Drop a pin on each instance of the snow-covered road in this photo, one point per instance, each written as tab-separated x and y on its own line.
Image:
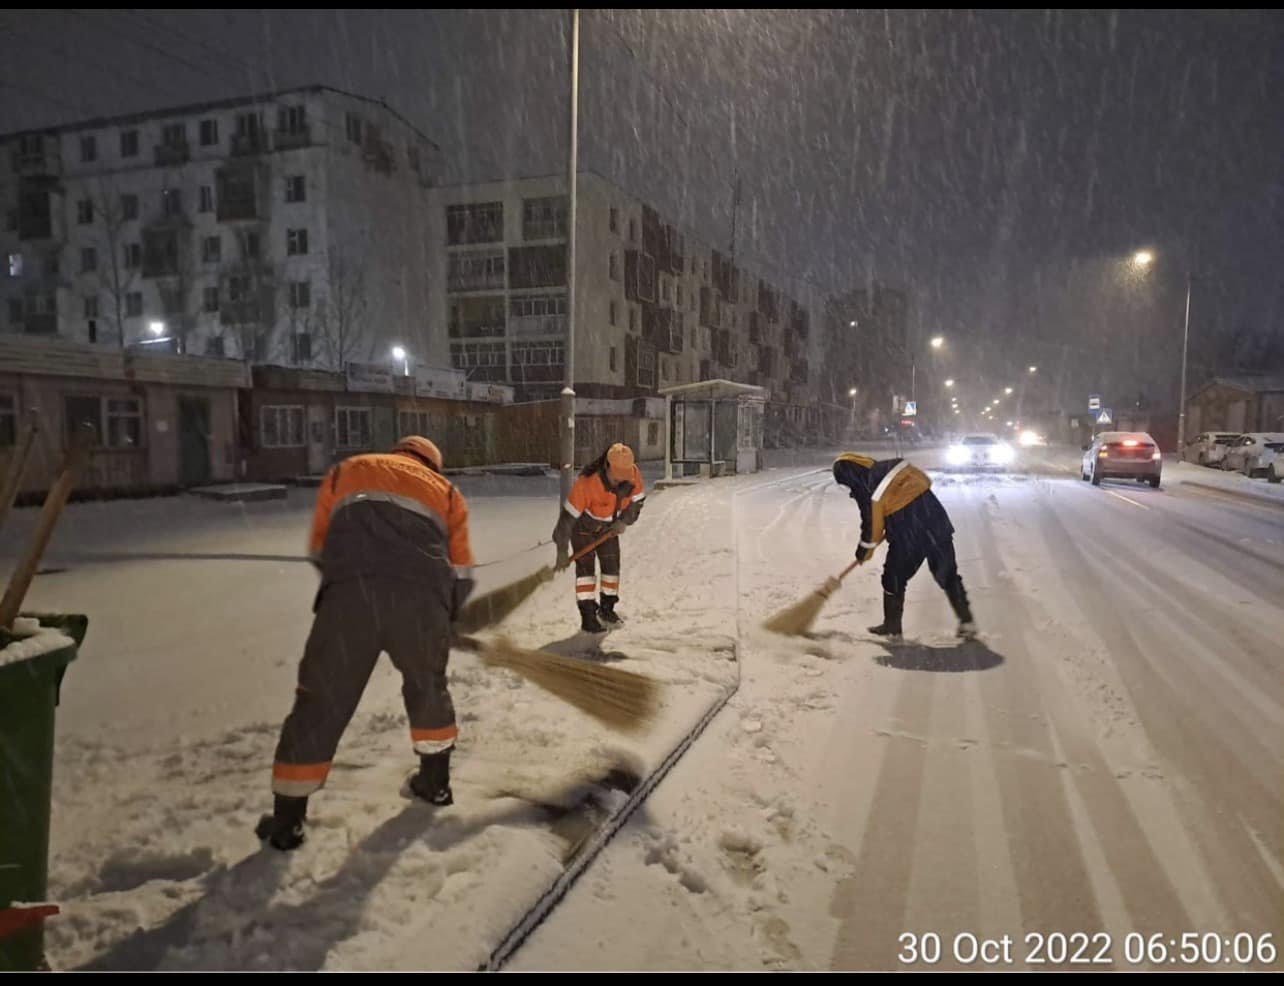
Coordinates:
1108	759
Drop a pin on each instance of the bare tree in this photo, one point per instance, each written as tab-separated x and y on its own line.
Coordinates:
340	314
119	276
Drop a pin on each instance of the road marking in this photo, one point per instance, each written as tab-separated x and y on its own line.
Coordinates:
1126	499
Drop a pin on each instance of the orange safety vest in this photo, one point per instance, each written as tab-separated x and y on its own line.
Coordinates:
590	496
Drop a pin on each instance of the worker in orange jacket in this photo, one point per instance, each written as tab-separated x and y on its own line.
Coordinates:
606	499
390	536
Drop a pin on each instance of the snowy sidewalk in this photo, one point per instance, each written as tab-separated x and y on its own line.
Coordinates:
1233	483
168	725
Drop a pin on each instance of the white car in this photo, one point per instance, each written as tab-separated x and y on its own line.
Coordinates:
984	450
1243	454
1208	448
1271	461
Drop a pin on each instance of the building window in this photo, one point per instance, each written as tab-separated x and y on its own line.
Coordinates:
354	128
251	246
16	313
209	299
478	222
91	329
296	242
209	133
352	427
8	420
215	346
85	212
174	135
646	367
664	370
281	426
11	221
79	411
88	149
91	307
611	309
614	220
134	304
88	260
15	265
207	198
129	207
480	356
544	218
133	256
129	143
302	347
171	202
124	422
633	231
238	288
292	120
212	250
295	189
613	266
300	294
633	319
653	433
415	423
677	293
612	359
475	270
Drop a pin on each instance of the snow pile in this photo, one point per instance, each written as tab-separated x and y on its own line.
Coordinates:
31	640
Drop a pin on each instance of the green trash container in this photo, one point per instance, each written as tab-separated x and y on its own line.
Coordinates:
28	694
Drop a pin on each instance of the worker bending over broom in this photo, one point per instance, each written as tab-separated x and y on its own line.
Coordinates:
390	535
897	504
606	498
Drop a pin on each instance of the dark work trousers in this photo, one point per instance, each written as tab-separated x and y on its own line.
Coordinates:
607	553
906	554
355	621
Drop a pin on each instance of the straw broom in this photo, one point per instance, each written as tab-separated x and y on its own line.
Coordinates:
619	699
485	611
796	620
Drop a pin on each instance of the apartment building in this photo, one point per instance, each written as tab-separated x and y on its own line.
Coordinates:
289	228
655	304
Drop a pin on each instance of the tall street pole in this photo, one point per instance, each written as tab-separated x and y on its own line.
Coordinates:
1185	342
568	391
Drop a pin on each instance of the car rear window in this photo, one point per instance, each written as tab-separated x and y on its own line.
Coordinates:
978	440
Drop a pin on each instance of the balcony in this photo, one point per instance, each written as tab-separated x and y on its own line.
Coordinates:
639	276
485	280
284	140
537	325
167	155
34	164
248	144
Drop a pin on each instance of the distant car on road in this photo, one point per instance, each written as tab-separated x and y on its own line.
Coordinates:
1122	455
1207	449
1243	454
981	450
1272	461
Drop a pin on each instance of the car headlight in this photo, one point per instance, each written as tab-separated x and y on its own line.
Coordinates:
1002	453
1029	438
956	455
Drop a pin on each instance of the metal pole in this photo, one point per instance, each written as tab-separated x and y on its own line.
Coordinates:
572	162
1185	341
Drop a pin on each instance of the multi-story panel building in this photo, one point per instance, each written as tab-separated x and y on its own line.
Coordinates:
655	306
288	228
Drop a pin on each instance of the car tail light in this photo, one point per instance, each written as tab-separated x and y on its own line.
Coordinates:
1131	443
1158	455
1103	454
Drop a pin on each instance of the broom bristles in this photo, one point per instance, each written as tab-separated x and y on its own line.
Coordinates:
795	620
623	700
494	606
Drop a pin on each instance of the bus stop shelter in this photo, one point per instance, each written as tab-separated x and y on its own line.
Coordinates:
713	428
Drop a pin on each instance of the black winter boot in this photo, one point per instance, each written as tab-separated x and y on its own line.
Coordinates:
606	612
432	783
283	829
893	608
588	617
958	599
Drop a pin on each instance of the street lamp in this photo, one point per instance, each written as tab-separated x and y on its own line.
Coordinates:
949	382
399	353
1007	390
1143	259
938	342
156	328
1034	369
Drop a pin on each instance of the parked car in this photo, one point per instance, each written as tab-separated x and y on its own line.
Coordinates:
980	451
1122	455
1207	449
1243	454
1272	461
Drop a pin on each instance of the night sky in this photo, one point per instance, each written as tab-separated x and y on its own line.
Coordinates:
1001	166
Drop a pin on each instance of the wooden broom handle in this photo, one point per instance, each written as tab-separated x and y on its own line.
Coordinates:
592	547
848	570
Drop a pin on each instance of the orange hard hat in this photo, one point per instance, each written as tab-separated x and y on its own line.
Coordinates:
420	448
619	462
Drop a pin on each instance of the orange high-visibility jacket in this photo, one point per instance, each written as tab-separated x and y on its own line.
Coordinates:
388	514
590	498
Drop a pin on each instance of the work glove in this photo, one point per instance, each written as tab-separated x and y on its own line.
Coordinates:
864	554
619	527
563	558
